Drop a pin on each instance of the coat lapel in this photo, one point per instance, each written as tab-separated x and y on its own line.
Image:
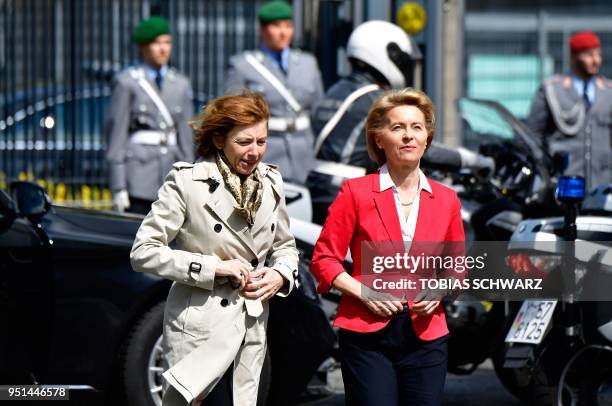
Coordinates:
293	70
387	212
221	203
271	196
274	68
265	211
426	215
168	86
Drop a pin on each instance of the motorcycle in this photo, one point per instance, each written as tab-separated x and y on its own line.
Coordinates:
560	349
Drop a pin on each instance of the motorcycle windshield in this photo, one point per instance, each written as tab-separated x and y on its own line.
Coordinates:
486	122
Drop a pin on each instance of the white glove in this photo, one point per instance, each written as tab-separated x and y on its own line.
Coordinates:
121	201
471	159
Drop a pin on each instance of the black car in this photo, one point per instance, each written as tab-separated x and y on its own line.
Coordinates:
74	313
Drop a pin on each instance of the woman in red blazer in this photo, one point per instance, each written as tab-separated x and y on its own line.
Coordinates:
393	353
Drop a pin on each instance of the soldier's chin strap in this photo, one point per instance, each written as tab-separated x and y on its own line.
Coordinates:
562	117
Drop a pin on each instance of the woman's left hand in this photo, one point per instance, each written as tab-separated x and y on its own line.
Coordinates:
425	307
271	281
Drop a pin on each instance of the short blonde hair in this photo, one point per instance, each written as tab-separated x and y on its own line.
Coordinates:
377	117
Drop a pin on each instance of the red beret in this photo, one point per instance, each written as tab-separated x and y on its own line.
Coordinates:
583	40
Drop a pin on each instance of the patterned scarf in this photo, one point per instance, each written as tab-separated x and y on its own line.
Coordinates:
248	193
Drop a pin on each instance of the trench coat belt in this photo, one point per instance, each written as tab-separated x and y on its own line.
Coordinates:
150	137
254	307
289	124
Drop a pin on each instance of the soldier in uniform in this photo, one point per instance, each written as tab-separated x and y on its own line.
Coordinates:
147	125
290	81
382	56
572	113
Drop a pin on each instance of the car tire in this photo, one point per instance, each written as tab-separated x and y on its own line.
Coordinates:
142	367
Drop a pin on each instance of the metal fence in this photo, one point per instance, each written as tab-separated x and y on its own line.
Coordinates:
57	59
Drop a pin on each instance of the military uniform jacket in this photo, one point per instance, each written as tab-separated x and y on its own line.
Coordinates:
589	141
140	168
206	327
291	150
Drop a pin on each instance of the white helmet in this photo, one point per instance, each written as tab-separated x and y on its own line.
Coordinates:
386	48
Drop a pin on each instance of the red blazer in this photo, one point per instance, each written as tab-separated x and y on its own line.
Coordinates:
361	212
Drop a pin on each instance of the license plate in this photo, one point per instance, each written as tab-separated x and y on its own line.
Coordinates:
532	322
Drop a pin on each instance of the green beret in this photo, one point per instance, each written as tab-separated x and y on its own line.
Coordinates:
274	11
150	29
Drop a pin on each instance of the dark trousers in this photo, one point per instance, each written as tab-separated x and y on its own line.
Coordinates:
222	393
393	366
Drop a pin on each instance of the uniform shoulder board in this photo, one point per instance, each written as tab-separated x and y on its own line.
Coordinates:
182	165
256	53
135	72
554	79
172	73
607	82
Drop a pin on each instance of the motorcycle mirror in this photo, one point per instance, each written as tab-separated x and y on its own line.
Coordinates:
31	200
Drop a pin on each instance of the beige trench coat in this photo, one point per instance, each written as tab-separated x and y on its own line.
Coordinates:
206	325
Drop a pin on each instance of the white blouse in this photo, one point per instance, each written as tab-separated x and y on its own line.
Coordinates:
408	225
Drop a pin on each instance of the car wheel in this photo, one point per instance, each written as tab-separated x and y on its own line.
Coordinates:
142	368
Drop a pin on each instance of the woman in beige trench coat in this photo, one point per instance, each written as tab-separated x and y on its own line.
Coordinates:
226	213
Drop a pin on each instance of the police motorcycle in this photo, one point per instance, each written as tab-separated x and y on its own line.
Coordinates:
492	208
559	346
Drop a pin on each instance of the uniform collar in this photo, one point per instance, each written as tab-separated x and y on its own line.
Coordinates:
152	72
386	182
579	86
284	56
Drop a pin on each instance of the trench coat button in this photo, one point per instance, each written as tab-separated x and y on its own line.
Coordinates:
254	262
218	228
224	302
272	227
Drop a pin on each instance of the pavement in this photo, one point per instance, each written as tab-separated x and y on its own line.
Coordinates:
477	389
